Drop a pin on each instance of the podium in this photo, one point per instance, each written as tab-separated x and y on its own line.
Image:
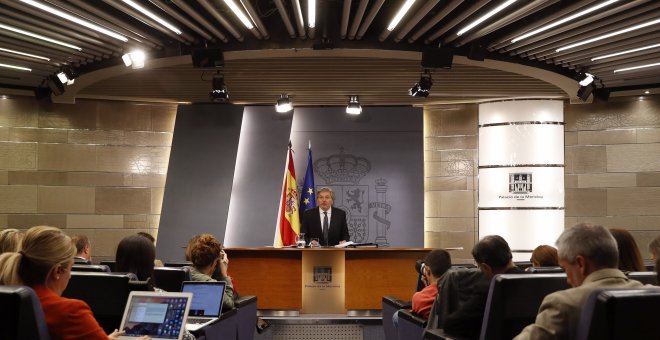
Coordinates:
324	280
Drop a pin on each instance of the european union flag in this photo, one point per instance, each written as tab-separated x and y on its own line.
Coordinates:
308	192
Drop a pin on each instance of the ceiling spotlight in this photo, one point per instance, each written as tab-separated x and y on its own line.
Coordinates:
219	92
423	88
585	78
62	77
353	107
134	59
283	104
585	91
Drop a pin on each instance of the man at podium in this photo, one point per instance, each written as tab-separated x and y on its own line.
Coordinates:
325	223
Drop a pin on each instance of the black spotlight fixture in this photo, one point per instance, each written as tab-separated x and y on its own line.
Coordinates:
219	92
587	85
423	87
55	84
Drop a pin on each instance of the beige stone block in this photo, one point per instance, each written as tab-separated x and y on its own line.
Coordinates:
81	115
18	112
633	157
4	133
451	120
21	156
586	202
31	220
449	204
148	180
154	222
570	181
37	135
589	159
612	115
99	179
163	117
648	179
95	221
622	222
461	243
66	199
570	138
619	136
105	241
648	223
68	157
453	224
97	137
3	221
648	135
123	200
148	138
608	180
568	160
137	221
157	200
453	168
4	177
570	221
38	177
18	199
450	143
633	201
124	116
142	160
445	183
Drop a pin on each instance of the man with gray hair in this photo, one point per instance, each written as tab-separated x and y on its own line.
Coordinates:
589	255
325	223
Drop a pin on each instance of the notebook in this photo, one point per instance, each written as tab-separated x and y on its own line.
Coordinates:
206	304
160	315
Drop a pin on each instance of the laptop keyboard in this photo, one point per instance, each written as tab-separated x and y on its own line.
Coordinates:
197	320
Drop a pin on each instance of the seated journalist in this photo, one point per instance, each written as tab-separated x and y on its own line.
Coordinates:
325	222
588	253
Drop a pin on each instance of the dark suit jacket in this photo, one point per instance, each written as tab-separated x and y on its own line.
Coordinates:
337	231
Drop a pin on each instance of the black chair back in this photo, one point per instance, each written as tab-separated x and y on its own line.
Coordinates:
21	316
178	264
170	278
647	278
105	293
649	265
620	314
110	263
99	268
523	264
514	300
544	270
390	305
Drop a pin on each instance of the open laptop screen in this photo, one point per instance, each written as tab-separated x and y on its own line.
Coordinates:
158	315
207	297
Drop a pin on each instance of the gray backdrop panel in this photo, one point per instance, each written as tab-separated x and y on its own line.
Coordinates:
199	176
258	180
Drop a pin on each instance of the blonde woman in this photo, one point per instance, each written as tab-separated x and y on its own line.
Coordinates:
10	240
44	263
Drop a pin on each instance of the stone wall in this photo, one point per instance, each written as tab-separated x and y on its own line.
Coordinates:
96	168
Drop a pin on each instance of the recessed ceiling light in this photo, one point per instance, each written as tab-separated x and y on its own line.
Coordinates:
626	52
485	17
647	92
636	67
399	15
609	35
14	67
24	54
40	37
153	16
241	16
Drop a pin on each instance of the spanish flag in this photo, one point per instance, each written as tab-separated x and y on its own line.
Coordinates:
288	224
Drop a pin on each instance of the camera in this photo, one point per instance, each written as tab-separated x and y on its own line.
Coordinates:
419	267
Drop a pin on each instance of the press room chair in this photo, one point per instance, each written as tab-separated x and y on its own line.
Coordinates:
390	305
178	263
21	316
170	278
615	314
544	270
647	278
99	268
514	300
411	325
224	328
246	317
110	263
105	293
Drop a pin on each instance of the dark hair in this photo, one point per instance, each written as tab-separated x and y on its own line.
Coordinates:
630	259
545	256
439	261
136	254
81	241
492	250
203	250
147	236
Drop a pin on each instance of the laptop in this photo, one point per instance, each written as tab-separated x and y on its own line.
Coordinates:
160	315
206	303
